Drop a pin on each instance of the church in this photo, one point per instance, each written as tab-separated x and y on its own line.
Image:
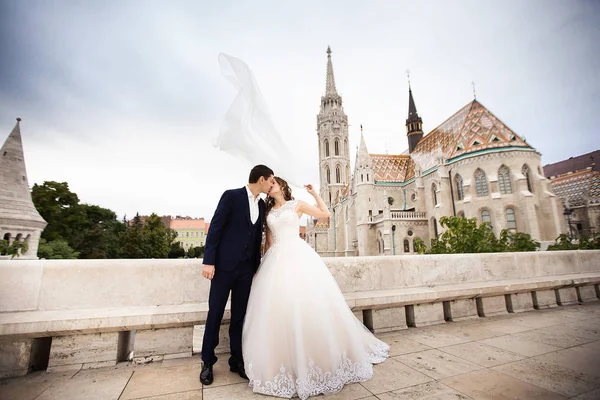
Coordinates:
472	166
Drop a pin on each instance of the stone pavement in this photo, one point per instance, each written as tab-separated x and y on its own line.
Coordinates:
546	354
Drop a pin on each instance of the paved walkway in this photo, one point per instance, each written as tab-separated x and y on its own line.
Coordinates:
549	354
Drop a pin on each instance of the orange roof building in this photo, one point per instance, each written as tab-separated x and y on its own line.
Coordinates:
472	165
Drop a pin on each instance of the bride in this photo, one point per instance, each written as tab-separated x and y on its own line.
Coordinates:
299	337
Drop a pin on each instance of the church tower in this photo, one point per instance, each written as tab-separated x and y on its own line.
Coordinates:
332	131
414	123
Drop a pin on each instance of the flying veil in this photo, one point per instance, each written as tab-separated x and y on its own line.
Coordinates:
248	131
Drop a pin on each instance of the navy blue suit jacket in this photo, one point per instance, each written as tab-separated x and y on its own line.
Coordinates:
231	235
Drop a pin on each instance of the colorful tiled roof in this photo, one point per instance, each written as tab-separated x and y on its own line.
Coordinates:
392	168
473	128
578	187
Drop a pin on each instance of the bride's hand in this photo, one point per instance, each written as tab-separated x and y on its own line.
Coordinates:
310	189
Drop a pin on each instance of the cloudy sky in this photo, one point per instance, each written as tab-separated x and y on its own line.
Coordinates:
123	99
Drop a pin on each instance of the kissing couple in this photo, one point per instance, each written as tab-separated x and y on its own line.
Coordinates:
291	331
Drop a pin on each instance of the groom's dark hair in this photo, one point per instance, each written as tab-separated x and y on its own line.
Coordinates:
258	171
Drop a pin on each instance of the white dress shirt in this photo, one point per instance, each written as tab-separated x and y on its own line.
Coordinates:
253	204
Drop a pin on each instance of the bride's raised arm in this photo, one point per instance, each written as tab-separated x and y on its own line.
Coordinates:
318	212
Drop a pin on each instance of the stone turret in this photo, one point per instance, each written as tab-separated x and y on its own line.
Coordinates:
19	219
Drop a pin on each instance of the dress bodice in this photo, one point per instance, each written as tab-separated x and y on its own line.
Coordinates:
284	222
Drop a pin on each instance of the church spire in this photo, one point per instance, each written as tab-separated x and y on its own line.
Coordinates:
18	214
330	84
363	158
412	109
414	123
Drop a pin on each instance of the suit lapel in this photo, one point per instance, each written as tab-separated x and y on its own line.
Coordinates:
246	203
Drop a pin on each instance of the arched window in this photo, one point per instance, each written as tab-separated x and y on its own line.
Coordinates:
527	173
504	180
486	217
326	148
460	190
406	246
511	220
481	183
434	194
336	146
338	175
328	173
435	228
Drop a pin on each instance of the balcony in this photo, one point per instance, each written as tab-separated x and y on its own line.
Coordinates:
397	215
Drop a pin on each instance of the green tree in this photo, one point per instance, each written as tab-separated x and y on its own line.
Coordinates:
199	251
101	232
466	236
14	250
56	250
176	250
157	238
58	206
564	242
132	240
191	253
93	231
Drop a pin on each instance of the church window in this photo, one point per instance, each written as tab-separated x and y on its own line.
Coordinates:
326	148
328	174
511	220
481	183
336	146
527	174
338	177
367	177
435	227
460	190
486	217
504	180
434	194
406	246
362	178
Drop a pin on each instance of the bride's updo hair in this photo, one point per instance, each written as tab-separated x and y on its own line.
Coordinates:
285	190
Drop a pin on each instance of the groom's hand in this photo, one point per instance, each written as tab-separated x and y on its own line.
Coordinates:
208	271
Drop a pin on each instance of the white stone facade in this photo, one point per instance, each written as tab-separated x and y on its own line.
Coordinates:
392	199
19	220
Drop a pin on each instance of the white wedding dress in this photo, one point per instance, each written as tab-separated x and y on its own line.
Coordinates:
300	337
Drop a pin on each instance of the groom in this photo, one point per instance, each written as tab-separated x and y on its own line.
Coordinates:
231	258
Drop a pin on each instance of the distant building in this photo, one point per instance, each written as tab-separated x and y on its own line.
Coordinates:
191	232
576	181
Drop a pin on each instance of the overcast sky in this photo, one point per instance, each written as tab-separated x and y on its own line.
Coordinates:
122	99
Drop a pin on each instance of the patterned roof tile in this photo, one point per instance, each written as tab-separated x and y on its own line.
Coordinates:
472	128
578	187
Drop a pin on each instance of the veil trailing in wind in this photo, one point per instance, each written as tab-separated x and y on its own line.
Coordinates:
248	131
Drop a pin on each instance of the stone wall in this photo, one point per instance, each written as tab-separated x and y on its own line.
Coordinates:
90	313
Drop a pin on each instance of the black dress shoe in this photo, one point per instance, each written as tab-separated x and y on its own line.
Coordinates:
206	376
239	368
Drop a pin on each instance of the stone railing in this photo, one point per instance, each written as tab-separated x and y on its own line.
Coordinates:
407	215
72	314
399	216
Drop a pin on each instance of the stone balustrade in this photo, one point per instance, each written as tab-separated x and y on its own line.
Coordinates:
65	314
408	215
